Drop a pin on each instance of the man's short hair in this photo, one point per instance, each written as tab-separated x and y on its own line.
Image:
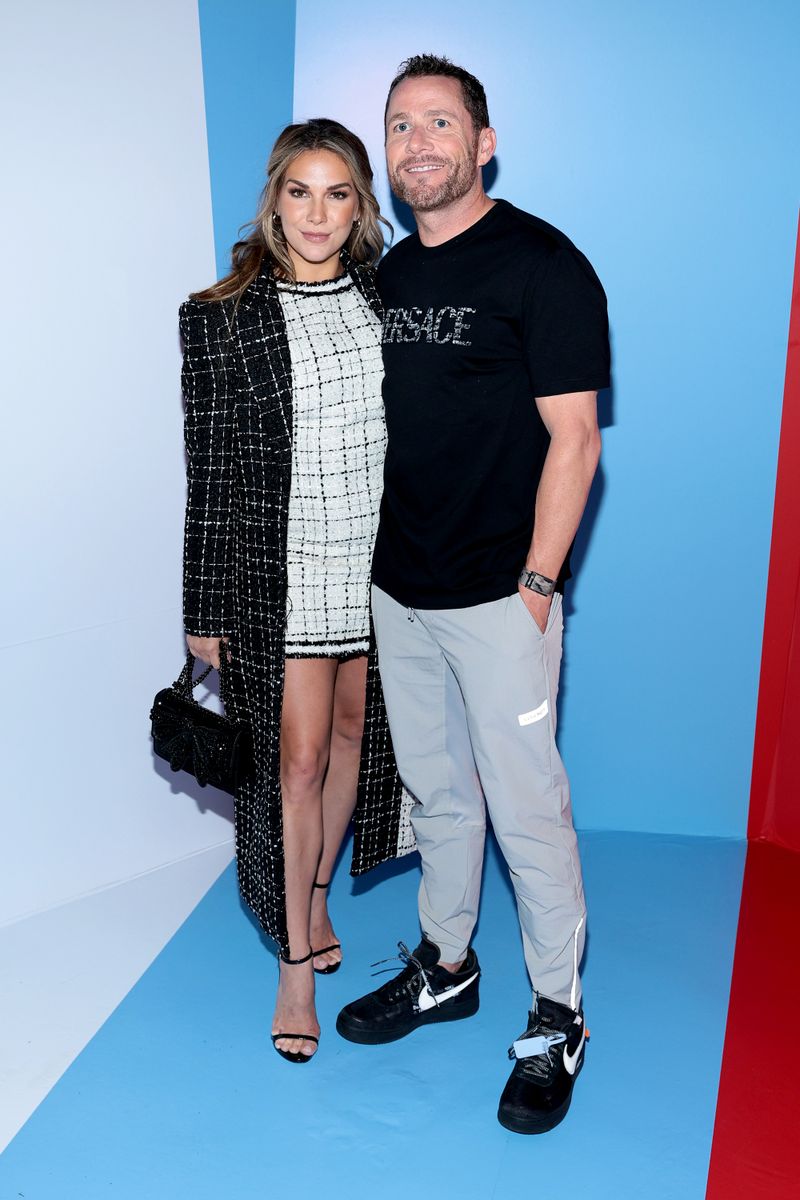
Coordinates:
422	65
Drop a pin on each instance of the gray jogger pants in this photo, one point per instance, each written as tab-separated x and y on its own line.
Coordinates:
471	700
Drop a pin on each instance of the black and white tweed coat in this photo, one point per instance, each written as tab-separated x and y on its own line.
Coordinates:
238	394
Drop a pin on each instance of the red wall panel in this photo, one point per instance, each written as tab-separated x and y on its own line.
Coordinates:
775	790
754	1151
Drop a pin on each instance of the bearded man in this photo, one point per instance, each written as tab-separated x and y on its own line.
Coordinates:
495	344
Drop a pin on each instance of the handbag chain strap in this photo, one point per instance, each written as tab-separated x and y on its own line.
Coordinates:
186	685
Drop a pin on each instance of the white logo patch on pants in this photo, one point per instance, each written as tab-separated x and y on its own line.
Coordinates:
536	714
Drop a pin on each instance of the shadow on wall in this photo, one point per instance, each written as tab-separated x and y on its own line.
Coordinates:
580	547
579	550
605	419
181	783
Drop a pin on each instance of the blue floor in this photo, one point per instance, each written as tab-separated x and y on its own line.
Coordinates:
180	1094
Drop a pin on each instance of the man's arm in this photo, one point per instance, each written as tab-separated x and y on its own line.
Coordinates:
571	421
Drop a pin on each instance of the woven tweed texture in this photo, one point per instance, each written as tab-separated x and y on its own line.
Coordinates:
237	387
338	448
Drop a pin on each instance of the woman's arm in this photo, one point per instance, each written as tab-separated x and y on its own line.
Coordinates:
208	554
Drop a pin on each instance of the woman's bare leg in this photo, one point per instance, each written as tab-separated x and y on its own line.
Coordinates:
308	704
339	792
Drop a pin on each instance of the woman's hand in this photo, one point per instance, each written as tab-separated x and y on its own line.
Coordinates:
206	649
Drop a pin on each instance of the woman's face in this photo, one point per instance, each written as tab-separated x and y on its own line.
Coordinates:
317	205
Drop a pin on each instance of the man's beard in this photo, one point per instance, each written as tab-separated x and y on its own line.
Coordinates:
426	197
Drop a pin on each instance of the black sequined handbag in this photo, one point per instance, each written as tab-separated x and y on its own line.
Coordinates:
213	748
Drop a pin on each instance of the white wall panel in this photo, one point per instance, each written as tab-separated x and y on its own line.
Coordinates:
106	224
86	802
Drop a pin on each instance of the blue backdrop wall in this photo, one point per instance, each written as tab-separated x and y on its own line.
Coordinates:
662	139
248	69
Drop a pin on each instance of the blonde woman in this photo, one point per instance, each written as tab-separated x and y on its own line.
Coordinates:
285	441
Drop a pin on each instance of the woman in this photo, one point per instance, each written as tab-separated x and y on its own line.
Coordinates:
285	442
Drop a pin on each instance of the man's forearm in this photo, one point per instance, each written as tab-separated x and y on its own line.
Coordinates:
563	490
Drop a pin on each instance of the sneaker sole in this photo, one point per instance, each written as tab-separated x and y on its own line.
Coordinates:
542	1123
538	1122
434	1016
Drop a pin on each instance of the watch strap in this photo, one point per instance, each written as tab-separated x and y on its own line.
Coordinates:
535	582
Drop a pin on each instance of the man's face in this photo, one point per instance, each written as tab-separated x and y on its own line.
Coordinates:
431	147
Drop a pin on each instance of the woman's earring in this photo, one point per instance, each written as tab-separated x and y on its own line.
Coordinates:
357	223
275	219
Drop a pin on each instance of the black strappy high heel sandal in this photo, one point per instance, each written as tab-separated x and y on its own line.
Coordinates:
332	968
294	1056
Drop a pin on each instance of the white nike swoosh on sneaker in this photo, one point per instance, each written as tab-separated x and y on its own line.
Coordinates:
571	1060
427	999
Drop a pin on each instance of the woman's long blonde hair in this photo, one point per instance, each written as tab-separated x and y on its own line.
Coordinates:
265	241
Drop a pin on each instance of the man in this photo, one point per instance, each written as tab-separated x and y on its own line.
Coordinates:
495	345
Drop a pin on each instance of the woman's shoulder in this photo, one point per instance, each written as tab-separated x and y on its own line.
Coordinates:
202	319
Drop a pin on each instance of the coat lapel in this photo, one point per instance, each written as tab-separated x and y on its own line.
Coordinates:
364	279
261	334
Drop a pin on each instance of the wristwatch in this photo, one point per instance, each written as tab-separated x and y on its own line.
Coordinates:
536	582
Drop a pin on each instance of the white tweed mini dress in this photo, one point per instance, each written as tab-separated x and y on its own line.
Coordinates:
338	448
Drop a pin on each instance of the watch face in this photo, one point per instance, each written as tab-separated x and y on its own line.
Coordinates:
535	582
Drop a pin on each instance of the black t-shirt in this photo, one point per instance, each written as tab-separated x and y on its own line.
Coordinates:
474	329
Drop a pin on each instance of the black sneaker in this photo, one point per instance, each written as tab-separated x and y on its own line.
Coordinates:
549	1056
422	994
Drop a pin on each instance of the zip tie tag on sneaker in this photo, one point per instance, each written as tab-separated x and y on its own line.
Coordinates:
530	1047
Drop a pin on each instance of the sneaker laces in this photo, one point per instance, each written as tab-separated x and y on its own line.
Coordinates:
538	1060
413	970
